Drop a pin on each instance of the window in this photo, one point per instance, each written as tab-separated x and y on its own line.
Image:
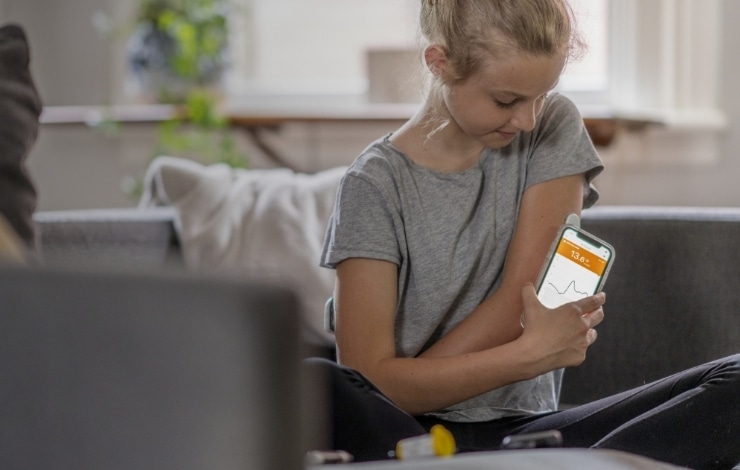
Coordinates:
316	46
321	46
587	80
665	60
655	62
664	68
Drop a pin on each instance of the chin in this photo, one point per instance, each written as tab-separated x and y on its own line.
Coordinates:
495	141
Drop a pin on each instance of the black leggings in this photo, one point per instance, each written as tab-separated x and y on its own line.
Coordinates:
689	419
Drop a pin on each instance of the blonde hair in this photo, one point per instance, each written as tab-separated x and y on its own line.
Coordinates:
474	31
466	29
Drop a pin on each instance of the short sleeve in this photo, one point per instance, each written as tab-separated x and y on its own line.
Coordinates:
365	224
560	146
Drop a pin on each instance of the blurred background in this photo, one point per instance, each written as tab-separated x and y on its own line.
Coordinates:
309	83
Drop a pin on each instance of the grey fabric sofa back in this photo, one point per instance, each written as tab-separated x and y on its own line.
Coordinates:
673	296
113	370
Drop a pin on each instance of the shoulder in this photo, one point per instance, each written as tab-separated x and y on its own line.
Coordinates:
379	164
559	107
559	123
560	146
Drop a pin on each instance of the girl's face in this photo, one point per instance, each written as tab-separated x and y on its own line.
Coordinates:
503	97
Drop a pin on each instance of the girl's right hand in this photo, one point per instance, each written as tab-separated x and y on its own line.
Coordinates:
559	337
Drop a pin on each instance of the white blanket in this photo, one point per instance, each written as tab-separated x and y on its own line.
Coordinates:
263	223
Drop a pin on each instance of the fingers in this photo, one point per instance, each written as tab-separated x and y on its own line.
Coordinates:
591	336
594	318
585	306
589	309
589	304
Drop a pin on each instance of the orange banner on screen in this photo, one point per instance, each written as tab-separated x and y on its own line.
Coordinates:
581	256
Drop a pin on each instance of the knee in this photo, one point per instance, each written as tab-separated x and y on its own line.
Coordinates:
732	363
338	377
735	361
727	370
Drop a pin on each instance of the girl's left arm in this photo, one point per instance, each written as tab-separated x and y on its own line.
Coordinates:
496	321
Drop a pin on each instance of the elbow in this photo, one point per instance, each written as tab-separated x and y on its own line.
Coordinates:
395	380
393	389
406	394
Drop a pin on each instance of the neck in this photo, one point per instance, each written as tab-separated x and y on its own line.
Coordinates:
432	140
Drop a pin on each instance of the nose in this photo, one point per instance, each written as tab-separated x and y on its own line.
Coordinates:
524	116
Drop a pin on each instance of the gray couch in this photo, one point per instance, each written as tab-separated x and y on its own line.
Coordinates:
127	370
672	296
125	238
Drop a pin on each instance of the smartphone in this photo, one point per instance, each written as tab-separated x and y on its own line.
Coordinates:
576	266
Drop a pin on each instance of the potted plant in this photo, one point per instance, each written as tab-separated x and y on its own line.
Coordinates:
178	45
177	55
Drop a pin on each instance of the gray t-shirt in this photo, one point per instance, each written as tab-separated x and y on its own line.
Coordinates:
449	234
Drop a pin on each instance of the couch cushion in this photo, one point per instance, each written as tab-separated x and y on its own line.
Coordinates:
20	108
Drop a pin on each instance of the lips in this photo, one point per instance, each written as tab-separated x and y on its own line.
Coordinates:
506	135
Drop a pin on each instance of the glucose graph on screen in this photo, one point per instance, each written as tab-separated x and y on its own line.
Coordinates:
574	271
566	281
570	290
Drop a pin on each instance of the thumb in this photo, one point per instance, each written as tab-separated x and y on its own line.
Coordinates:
529	297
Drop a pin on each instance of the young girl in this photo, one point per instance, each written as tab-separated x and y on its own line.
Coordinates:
439	231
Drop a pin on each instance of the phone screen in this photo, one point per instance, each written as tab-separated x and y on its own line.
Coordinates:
576	268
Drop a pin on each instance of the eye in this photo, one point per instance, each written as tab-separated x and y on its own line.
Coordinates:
506	105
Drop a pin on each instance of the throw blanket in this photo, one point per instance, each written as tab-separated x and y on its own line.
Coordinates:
268	224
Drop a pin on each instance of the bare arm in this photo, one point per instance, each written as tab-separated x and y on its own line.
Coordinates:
497	320
365	301
366	297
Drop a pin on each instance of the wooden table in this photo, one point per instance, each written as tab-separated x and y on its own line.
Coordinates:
255	120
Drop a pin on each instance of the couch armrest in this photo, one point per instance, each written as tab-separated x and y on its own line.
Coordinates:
125	237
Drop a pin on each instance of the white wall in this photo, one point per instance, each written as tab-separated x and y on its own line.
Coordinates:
76	167
714	183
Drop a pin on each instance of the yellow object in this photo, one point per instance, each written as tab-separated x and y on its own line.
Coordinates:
438	443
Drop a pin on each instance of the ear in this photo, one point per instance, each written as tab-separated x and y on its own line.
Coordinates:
436	60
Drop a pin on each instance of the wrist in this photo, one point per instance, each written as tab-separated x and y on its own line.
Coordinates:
533	357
